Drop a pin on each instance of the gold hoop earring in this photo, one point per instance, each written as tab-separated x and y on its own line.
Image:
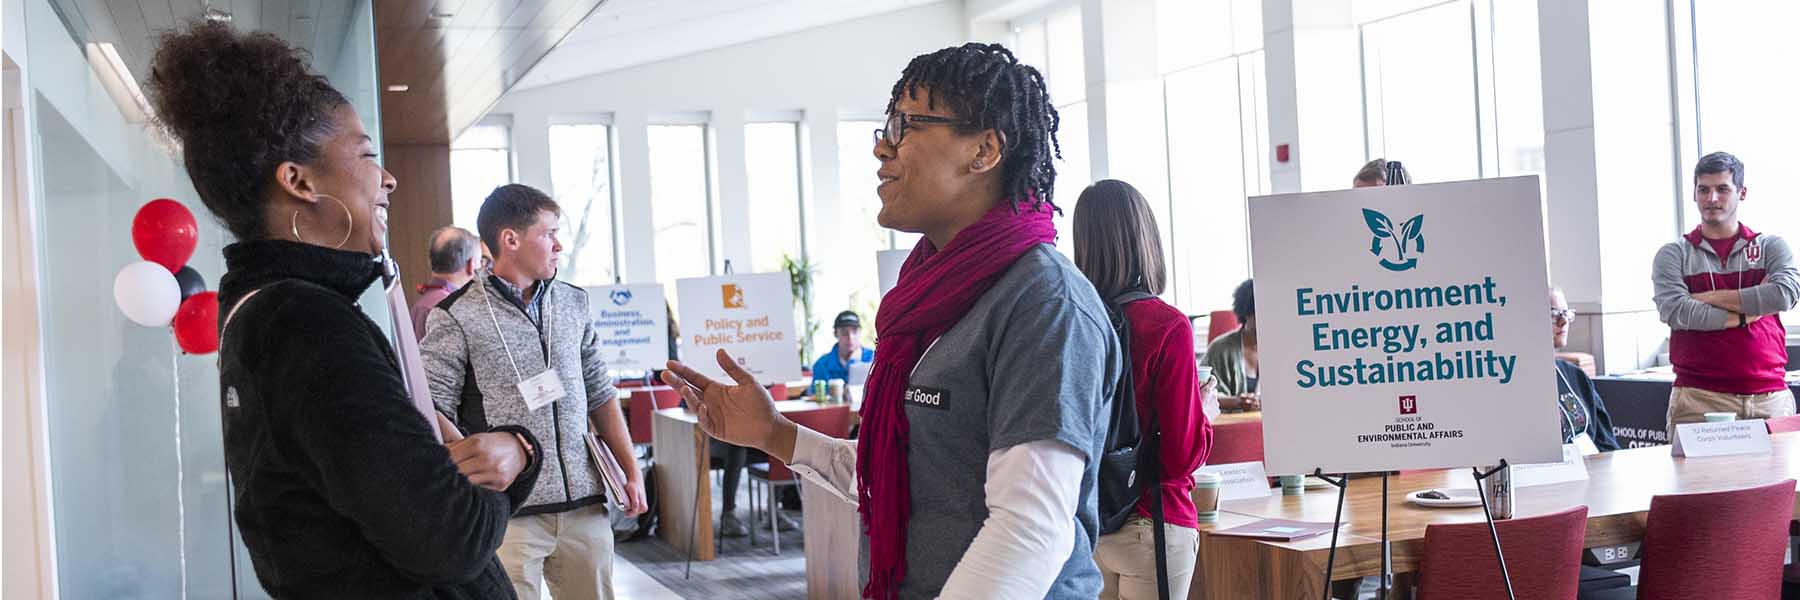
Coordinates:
349	219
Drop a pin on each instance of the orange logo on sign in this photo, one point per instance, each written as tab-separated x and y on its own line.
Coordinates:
734	295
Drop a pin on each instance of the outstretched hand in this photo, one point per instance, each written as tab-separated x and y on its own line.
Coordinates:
740	412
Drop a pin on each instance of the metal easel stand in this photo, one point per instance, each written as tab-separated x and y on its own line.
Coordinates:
1480	478
1342	483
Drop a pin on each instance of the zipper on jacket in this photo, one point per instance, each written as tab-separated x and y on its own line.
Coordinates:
555	407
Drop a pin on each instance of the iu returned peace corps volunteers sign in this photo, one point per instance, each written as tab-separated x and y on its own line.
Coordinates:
1404	327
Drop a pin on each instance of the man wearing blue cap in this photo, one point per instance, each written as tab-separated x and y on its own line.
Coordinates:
848	350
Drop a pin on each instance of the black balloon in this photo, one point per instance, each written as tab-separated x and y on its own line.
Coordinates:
190	281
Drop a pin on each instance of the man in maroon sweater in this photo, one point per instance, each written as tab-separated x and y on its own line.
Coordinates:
1721	289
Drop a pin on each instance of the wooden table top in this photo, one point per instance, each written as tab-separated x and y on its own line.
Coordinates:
1228	418
1619	485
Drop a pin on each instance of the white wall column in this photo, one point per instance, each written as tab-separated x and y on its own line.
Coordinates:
1314	73
731	197
531	150
1613	167
636	223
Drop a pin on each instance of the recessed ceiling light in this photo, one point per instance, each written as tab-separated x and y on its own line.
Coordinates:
398	87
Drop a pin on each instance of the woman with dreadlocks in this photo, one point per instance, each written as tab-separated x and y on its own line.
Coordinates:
984	412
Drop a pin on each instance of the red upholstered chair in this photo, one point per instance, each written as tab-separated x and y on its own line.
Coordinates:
1784	424
1543	555
643	403
831	420
1236	443
1220	322
1716	545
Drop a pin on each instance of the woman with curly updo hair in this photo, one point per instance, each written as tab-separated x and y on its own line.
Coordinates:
342	488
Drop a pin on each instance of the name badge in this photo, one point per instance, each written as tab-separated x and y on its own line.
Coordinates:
541	389
918	395
1721	439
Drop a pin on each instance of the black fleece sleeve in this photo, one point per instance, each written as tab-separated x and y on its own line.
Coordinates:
344	406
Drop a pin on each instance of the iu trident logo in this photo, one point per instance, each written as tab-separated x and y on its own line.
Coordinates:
1409	405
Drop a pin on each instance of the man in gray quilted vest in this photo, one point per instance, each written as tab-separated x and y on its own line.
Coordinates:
517	347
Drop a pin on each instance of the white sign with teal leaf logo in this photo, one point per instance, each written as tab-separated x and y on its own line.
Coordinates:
1378	356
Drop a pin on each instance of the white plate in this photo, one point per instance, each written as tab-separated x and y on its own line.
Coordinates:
1314	483
1459	498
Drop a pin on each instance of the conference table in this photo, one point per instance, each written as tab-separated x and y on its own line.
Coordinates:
684	481
1617	494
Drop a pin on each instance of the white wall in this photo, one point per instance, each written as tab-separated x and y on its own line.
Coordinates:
846	69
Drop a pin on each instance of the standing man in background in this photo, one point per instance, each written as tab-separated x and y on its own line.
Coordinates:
517	347
1721	289
456	257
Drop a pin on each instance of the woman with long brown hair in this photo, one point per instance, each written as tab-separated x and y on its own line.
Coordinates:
1117	246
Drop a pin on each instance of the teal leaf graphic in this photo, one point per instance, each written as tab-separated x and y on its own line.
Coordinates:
1413	230
1378	224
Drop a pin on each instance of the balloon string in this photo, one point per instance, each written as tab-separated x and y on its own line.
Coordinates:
180	476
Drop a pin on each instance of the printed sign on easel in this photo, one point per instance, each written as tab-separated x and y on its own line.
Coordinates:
633	324
1404	327
887	266
750	316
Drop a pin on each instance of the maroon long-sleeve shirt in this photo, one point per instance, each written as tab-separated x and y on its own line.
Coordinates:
1163	368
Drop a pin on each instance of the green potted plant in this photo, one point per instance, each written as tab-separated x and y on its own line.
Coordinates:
800	280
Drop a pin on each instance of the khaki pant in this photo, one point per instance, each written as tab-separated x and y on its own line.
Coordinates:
1127	560
1690	405
573	550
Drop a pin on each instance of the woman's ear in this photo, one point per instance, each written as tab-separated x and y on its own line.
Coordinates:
987	152
295	181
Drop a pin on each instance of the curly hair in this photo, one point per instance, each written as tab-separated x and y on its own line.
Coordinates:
240	104
989	88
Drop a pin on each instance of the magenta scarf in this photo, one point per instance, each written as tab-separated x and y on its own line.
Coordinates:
935	290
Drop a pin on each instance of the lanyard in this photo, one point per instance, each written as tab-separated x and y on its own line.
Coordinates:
1567	418
543	313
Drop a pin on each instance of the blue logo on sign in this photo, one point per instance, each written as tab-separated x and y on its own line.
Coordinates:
621	297
1410	233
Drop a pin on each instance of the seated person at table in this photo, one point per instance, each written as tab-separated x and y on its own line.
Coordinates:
848	350
1233	356
1585	421
1374	174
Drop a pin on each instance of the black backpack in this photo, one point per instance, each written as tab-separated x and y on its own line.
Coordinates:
1132	459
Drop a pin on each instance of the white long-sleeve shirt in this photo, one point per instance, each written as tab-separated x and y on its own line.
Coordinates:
1031	493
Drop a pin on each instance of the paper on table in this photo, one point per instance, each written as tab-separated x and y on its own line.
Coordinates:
1281	530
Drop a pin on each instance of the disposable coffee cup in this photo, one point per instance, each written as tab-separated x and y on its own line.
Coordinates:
1206	496
1720	417
1293	485
1204	373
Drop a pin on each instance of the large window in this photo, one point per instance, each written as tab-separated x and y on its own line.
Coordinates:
480	160
848	278
679	203
581	175
1745	88
1217	120
1054	46
772	157
1453	89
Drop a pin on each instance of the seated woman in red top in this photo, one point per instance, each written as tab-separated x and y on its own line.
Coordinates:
1117	246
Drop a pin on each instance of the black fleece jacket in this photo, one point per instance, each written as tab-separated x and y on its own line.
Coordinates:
340	489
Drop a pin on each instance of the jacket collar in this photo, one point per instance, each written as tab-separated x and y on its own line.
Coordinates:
253	264
1744	232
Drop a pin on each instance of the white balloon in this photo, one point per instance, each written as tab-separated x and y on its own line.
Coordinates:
147	293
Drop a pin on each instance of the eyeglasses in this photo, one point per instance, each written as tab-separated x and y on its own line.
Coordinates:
1562	316
894	131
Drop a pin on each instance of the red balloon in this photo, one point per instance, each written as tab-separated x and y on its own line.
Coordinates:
165	233
197	324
